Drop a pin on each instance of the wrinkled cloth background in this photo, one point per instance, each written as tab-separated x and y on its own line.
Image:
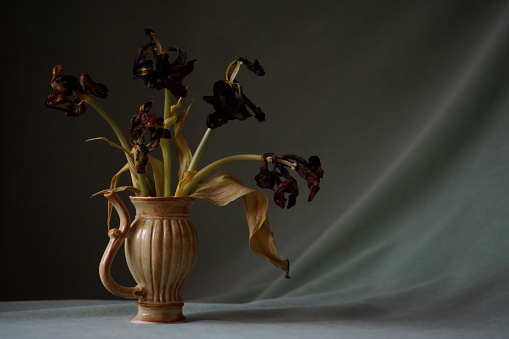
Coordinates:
405	102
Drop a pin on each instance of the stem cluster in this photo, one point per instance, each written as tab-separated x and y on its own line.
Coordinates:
165	144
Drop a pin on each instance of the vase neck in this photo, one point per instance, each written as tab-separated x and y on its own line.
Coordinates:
162	207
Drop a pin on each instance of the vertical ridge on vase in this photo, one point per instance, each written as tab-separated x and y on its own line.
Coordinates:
146	227
133	253
156	259
176	255
176	286
193	245
171	258
186	248
165	263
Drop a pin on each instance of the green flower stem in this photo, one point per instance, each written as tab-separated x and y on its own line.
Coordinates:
166	147
200	175
110	121
166	151
143	185
199	151
123	142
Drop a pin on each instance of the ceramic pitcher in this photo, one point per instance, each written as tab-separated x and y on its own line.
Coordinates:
160	248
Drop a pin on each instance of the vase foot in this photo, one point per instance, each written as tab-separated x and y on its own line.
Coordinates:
153	312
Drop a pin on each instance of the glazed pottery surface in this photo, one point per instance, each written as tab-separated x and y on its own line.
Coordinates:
160	248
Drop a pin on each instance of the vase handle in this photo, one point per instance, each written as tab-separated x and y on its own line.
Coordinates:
117	237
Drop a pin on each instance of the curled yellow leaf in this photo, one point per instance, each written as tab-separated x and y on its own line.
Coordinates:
184	154
114	188
185	179
112	144
221	189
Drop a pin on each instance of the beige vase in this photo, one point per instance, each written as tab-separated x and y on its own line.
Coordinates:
160	247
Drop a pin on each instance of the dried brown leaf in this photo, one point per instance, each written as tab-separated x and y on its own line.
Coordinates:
186	178
114	188
221	189
112	144
184	154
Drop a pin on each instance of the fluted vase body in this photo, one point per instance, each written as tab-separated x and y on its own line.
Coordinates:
160	247
161	251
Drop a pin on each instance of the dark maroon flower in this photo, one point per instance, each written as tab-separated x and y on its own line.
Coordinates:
288	186
254	67
94	88
314	166
229	100
70	94
145	124
266	178
278	177
152	66
311	171
141	120
140	153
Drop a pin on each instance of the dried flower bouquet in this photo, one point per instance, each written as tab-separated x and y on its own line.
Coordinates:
152	177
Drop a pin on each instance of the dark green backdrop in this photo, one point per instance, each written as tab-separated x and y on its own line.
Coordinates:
406	103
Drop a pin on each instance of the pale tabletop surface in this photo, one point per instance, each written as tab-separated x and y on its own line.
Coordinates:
111	319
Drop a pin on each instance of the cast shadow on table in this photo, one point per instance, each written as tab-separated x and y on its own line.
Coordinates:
291	314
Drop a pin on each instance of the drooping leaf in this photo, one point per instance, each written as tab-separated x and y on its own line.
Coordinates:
116	177
113	188
220	189
126	151
172	117
184	154
223	188
186	178
113	144
117	189
261	239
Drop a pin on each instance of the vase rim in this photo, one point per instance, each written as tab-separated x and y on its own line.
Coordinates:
134	198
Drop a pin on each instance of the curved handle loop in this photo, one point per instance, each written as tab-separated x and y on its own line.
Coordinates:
117	237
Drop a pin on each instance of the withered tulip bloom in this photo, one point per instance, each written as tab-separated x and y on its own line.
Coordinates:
266	178
94	88
141	120
142	124
70	94
140	153
254	67
230	102
152	66
288	186
279	179
311	171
